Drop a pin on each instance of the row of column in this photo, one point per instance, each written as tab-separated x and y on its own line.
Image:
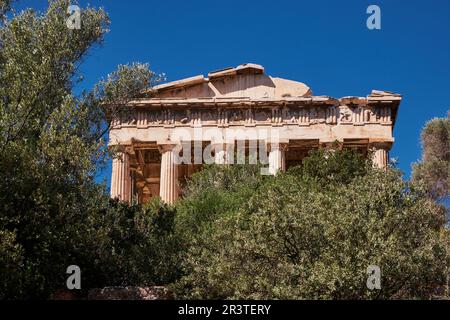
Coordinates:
121	180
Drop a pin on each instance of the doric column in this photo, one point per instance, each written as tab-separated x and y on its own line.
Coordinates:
168	188
380	156
224	153
121	177
277	158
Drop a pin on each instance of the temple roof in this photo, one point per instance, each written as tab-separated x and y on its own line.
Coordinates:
246	80
249	82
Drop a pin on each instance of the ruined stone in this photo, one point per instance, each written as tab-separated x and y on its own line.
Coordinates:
188	122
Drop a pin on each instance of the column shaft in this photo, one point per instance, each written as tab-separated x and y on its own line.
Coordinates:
277	161
224	153
380	158
121	177
169	175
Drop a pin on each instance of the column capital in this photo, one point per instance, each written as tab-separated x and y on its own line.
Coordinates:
384	145
120	155
283	146
221	143
167	146
381	143
121	148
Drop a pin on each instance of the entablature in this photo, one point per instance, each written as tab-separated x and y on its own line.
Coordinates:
248	112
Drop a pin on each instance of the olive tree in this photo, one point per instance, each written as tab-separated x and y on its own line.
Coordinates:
52	141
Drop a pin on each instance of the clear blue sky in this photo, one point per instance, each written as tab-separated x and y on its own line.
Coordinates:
323	43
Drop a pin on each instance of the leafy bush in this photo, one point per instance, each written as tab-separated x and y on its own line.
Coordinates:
134	246
11	265
52	141
214	192
311	234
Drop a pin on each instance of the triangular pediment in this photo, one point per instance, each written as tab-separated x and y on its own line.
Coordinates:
246	80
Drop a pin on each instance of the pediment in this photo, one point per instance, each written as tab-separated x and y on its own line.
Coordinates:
247	80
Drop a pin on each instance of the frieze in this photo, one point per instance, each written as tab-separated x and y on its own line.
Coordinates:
246	116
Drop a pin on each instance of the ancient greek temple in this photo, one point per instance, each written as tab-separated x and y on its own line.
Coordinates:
237	115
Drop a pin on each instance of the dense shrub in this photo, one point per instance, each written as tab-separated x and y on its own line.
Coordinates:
311	234
52	211
133	246
214	192
11	265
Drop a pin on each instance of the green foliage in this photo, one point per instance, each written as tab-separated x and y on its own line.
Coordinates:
308	233
5	6
214	192
11	264
311	234
433	172
156	254
133	246
328	167
52	213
